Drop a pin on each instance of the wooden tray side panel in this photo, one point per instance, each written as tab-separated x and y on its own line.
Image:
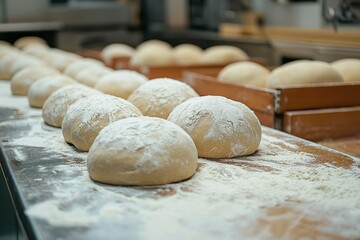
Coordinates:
318	97
316	125
256	99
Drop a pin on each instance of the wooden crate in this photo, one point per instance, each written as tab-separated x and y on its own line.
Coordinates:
296	109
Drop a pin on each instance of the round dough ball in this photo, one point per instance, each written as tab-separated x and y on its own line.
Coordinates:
223	54
87	117
349	69
158	97
155	56
121	83
153	43
142	151
187	54
22	80
55	107
6	62
302	72
116	50
84	63
24	62
44	87
60	59
36	50
90	76
220	127
244	73
30	40
5	44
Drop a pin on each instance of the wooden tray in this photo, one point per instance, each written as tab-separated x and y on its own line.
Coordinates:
275	107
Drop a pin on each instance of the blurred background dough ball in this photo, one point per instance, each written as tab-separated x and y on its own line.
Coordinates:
5	44
90	76
29	40
349	69
153	43
158	97
55	107
22	80
88	116
121	83
244	73
116	50
25	61
60	59
84	63
302	73
186	54
44	87
223	54
7	58
154	56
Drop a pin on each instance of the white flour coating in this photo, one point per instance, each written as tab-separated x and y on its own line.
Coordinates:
56	105
90	115
49	82
123	78
161	92
130	135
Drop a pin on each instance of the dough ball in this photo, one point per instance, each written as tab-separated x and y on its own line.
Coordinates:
55	107
121	83
45	86
36	50
22	80
23	62
348	68
302	72
158	97
244	73
220	127
30	40
87	117
90	76
155	56
7	57
187	54
60	59
5	44
223	54
116	50
142	151
85	63
153	43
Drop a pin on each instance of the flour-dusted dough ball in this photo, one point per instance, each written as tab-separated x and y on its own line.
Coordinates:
223	54
6	62
155	56
84	63
302	73
349	69
44	87
121	83
153	43
142	151
22	80
30	40
55	107
187	54
116	50
60	59
244	73
90	76
220	127
158	97
87	117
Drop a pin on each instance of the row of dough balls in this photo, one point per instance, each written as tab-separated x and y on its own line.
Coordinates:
160	53
129	149
291	74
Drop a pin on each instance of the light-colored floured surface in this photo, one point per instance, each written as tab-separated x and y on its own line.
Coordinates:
289	189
